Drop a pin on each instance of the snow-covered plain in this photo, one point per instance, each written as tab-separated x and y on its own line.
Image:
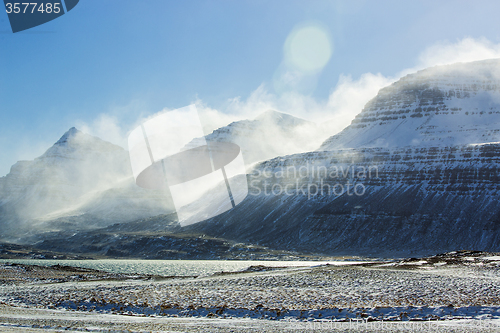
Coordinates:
452	292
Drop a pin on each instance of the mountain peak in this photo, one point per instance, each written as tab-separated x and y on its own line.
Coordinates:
281	119
271	114
71	133
77	142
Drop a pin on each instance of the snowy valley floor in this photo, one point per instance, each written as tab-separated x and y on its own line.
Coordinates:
456	292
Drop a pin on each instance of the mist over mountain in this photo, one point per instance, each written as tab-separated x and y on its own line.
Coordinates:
439	106
83	182
269	135
80	182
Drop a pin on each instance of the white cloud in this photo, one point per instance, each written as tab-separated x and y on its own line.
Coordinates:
350	96
113	126
464	50
106	127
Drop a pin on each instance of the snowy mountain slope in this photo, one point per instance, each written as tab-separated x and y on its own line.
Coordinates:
269	135
414	201
79	175
401	202
439	106
75	165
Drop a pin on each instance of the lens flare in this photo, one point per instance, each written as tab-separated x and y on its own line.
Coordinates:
308	48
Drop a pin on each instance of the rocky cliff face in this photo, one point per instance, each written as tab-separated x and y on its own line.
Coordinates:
440	106
371	201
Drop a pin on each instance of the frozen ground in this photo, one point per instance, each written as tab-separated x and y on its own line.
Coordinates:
455	292
42	320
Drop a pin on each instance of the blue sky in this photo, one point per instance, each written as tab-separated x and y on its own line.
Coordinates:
129	59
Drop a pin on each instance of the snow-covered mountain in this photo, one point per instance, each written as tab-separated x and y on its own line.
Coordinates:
440	106
417	172
80	182
269	135
371	201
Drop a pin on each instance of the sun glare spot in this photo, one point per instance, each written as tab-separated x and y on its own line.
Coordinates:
308	48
